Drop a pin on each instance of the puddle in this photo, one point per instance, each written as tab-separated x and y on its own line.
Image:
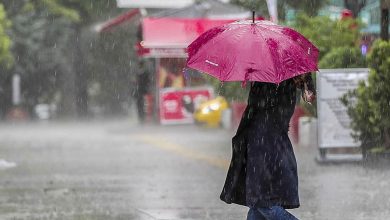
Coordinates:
6	164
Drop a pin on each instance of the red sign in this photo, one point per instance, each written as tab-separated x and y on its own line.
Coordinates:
177	106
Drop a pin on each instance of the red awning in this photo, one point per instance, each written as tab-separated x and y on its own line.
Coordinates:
168	37
118	20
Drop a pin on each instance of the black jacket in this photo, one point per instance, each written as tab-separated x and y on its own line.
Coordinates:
263	169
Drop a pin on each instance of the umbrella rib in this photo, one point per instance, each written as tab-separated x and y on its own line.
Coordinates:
290	40
299	48
216	42
269	51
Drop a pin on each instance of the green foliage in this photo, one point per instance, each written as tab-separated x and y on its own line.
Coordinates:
337	41
55	7
310	7
112	70
88	10
258	6
41	44
356	6
51	40
343	57
79	12
326	33
369	104
232	91
5	41
52	7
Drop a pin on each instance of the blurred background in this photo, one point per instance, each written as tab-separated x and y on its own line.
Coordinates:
100	119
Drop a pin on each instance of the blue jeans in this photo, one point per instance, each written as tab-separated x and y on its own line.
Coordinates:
269	213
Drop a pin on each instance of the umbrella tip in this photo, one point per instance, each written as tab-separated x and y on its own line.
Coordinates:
253	16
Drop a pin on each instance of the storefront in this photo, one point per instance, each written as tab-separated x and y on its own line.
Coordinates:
163	38
178	91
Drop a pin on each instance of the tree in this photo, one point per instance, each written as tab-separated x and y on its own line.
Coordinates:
88	11
40	34
310	7
113	70
51	41
355	6
368	105
5	58
61	58
232	91
337	40
259	6
385	5
326	33
5	41
343	57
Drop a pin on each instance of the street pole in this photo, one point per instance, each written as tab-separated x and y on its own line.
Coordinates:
16	90
273	10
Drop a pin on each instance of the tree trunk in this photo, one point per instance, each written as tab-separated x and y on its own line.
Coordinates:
5	93
387	139
81	77
385	23
67	106
72	80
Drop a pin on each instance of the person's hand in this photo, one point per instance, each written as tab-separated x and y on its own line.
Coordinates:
309	96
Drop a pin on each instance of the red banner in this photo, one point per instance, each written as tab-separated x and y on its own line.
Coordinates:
177	106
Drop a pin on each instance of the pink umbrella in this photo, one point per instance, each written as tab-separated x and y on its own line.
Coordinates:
252	51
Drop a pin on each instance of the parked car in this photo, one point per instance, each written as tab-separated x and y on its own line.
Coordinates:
210	112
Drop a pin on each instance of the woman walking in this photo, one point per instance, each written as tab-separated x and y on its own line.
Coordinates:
263	170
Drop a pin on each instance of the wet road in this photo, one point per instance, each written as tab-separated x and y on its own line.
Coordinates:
118	170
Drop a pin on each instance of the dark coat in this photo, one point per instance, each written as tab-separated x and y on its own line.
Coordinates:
263	169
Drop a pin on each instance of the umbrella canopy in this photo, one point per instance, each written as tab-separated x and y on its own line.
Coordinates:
252	51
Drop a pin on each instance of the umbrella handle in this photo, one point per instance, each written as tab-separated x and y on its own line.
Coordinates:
253	16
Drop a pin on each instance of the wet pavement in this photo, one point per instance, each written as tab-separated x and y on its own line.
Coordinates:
118	170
